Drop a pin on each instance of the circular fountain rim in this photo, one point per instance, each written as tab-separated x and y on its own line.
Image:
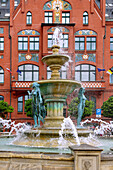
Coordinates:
55	56
59	81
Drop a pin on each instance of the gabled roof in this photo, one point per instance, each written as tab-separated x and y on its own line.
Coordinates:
109	8
5	9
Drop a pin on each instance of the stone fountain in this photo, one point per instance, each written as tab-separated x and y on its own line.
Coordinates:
54	92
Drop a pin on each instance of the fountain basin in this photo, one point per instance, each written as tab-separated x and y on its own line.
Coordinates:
58	88
55	59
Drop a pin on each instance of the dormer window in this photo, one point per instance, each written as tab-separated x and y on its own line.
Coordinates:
85	18
29	18
3	2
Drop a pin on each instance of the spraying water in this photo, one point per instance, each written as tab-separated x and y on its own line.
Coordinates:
14	128
68	124
104	128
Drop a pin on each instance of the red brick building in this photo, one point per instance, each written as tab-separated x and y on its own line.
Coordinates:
26	36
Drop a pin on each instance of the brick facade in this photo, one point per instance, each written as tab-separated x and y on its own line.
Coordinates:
12	57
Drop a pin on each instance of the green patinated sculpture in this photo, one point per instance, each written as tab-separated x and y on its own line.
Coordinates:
38	108
82	100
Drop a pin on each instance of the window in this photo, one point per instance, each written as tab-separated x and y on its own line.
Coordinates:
20	104
34	43
65	17
1	98
50	40
22	43
64	41
63	73
79	43
85	18
111	44
3	2
48	17
1	43
29	18
1	75
85	72
29	72
91	43
48	73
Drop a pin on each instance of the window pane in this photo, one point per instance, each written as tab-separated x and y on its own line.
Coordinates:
49	43
28	76
64	75
81	46
50	20
77	76
67	20
21	78
35	76
20	67
77	67
92	76
20	107
46	20
31	46
20	98
28	67
85	67
1	78
92	67
76	46
36	46
111	78
84	76
35	68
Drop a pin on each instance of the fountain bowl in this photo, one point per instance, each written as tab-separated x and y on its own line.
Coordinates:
58	88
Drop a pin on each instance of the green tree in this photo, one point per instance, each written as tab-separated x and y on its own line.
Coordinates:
73	108
107	108
5	108
28	108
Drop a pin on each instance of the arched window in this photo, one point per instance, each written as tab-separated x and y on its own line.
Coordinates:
85	18
63	73
1	97
29	18
29	72
1	75
85	72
